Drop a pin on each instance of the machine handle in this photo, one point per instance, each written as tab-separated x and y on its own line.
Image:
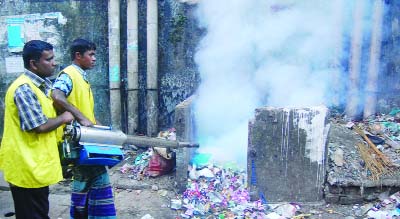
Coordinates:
103	127
188	145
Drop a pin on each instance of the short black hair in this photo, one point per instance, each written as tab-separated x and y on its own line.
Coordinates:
81	46
33	51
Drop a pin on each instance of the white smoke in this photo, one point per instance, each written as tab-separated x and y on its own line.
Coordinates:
256	53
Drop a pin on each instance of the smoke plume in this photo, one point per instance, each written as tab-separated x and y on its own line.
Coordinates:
280	53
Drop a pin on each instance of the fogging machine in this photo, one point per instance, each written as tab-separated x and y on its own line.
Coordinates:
101	145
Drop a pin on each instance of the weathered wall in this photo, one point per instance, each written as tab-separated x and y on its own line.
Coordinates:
389	82
178	37
178	75
86	19
286	154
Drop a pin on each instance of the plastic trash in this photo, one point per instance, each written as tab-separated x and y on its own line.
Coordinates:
286	210
274	215
377	214
176	204
147	216
375	139
201	160
205	172
394	111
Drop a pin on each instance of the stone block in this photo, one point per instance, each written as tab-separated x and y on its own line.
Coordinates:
348	200
335	189
184	126
287	154
352	190
332	198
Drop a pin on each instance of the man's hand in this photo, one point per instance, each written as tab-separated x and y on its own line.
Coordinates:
67	117
61	103
53	123
85	122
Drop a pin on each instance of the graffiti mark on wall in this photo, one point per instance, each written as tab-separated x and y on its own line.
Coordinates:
16	30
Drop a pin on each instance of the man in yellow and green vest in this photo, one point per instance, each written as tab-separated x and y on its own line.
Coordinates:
92	195
29	155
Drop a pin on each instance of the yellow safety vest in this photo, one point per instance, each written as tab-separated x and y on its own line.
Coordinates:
81	95
28	159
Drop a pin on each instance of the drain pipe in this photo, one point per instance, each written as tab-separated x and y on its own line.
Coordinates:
132	66
338	52
114	63
373	68
352	101
152	68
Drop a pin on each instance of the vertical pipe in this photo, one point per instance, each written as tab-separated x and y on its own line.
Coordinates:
114	62
132	65
152	68
352	101
375	52
338	36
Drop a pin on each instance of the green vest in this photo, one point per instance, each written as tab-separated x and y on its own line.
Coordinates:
28	159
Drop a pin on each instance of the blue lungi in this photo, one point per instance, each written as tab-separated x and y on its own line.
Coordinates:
93	199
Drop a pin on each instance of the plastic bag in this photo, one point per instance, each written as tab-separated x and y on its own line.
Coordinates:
159	165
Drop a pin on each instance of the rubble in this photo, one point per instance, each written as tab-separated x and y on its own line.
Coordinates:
351	181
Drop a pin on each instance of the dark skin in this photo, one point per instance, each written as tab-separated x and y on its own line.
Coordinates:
61	103
44	67
85	61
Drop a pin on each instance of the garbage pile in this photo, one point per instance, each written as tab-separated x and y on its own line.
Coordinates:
388	208
382	143
384	131
364	150
154	161
215	192
137	169
220	191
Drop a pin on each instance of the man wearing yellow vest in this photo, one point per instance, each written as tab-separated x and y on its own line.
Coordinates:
28	153
92	195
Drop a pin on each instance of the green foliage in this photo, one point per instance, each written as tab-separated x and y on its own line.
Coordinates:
178	28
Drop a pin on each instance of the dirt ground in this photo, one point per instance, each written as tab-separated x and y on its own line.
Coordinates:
151	198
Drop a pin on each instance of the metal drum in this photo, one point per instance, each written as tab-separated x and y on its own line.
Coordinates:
100	135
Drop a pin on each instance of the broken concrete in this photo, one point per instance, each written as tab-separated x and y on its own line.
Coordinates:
351	182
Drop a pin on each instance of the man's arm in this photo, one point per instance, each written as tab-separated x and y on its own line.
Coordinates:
53	123
61	103
31	115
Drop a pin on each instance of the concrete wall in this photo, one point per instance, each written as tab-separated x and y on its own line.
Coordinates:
86	19
389	82
286	154
185	132
178	37
178	76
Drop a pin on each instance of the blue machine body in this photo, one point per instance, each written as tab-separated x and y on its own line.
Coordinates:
106	155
